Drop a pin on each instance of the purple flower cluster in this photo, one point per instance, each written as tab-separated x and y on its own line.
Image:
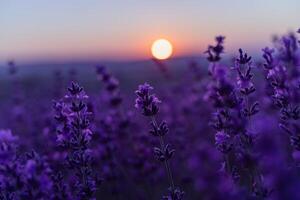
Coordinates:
148	104
214	52
232	121
26	176
282	74
111	85
74	136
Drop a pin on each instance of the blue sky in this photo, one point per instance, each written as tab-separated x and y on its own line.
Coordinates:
125	29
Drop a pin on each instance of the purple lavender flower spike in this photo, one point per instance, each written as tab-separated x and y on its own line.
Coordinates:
214	52
148	104
74	135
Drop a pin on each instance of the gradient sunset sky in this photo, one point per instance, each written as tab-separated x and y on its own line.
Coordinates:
124	29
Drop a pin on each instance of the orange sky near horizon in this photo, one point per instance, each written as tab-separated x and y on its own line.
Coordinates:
96	29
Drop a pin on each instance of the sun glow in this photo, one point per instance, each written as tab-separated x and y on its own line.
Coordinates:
161	49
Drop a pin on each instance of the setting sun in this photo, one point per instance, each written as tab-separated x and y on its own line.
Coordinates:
161	49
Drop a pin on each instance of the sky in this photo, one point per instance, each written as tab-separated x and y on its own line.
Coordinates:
124	29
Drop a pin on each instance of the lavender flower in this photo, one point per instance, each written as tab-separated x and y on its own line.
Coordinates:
22	176
74	135
277	76
233	138
148	104
111	85
223	141
214	52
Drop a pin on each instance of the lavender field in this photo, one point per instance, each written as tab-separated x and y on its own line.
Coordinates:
209	130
